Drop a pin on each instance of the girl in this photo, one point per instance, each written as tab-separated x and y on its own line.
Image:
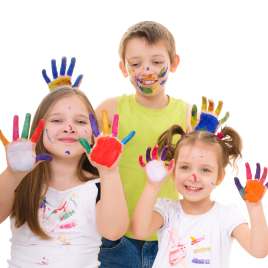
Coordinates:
57	213
197	230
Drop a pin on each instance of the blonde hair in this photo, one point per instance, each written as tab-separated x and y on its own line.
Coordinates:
30	192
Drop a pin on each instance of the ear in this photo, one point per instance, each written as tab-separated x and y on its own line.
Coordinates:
175	64
220	178
123	70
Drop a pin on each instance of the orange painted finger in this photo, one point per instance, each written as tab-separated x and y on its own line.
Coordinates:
210	106
38	131
3	139
105	123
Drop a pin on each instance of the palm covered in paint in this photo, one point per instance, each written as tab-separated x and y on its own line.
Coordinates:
254	190
155	169
63	79
107	149
20	153
208	120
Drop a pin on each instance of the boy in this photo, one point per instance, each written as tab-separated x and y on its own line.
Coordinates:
147	56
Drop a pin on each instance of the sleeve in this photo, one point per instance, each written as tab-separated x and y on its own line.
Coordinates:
99	192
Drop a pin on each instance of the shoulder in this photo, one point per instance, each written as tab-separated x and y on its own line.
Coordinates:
163	205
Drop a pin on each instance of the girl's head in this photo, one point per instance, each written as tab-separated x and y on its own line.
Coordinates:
200	159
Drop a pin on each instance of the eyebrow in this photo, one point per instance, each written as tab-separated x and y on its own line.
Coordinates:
75	115
157	55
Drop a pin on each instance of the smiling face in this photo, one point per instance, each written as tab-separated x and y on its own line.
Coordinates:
68	120
148	66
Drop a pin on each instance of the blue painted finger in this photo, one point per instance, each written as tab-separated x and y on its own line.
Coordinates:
71	67
43	157
63	66
148	155
258	171
44	73
164	153
93	124
239	187
128	137
78	81
54	69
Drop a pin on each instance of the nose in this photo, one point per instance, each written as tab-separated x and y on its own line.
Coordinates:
69	129
147	71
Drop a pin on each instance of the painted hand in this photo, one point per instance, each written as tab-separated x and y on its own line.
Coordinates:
107	149
254	190
155	169
208	121
62	79
21	152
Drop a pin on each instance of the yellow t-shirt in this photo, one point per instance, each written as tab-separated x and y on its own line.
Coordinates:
149	125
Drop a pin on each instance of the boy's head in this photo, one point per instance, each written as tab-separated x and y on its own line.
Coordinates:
148	53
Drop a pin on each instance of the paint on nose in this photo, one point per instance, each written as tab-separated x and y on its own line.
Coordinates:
194	177
70	127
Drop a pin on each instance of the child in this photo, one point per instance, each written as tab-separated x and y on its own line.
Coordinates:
197	230
57	212
148	55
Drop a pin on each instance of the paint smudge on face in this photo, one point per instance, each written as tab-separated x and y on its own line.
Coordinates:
147	69
197	261
163	82
129	72
201	156
202	250
70	127
68	225
67	152
85	131
67	215
48	136
139	56
133	71
69	108
128	61
195	179
163	72
195	241
213	184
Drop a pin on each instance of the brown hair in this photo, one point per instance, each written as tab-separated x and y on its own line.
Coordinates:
30	192
229	147
153	32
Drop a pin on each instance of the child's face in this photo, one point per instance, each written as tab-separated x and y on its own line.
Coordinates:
68	120
148	67
196	169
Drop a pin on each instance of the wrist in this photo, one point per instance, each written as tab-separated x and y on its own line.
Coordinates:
107	173
156	187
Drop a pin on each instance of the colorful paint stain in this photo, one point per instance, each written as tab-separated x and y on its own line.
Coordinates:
70	127
67	215
61	81
128	61
133	71
195	241
197	261
207	122
59	209
254	191
177	254
85	131
219	108
163	72
204	103
147	69
194	119
67	152
224	119
210	106
73	201
48	136
68	225
194	176
163	82
64	239
202	250
129	72
213	184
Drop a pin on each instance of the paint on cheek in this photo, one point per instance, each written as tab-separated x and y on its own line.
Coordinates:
48	136
195	179
163	72
147	69
85	131
163	82
129	72
67	152
69	108
213	184
70	127
133	71
128	62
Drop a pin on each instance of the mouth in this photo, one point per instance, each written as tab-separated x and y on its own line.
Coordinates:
68	140
148	83
192	189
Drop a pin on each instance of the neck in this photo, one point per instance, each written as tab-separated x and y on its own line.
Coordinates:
157	101
198	207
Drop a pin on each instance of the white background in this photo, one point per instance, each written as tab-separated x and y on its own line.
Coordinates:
223	46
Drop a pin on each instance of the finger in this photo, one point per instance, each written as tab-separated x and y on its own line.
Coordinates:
225	118
15	128
94	127
164	153
148	154
78	81
154	152
26	126
105	123
264	175
258	171
218	109
204	104
170	166
194	119
71	67
210	106
239	187
43	157
3	139
38	131
54	69
248	171
44	73
85	144
141	161
128	137
63	66
115	125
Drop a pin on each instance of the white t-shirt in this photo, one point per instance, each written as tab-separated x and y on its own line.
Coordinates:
187	240
69	218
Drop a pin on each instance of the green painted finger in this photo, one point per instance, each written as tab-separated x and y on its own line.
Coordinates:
204	104
219	107
85	144
194	119
224	119
26	127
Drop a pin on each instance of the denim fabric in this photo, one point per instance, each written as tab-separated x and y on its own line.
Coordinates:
127	253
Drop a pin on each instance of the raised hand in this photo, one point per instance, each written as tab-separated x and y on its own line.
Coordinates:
208	120
63	79
155	169
254	190
107	149
21	152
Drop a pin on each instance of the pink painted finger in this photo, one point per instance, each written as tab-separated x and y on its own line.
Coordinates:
170	165
15	128
38	131
154	152
141	162
264	175
115	125
248	171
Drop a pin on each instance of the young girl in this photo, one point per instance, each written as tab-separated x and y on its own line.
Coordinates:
197	230
57	212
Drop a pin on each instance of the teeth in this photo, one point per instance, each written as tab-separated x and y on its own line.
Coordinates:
148	82
193	188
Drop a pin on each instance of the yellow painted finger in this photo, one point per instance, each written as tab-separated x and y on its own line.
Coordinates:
3	139
210	106
105	123
218	109
204	104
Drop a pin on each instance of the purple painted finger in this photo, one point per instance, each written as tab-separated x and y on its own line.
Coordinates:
238	184
93	124
258	171
266	184
15	128
115	125
148	155
264	175
164	153
43	157
248	171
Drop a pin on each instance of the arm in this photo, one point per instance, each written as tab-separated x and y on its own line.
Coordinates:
188	118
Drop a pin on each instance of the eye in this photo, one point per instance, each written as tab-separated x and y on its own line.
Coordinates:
135	64
158	62
205	170
81	122
56	120
184	168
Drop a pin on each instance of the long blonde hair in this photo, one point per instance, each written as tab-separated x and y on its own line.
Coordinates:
30	192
